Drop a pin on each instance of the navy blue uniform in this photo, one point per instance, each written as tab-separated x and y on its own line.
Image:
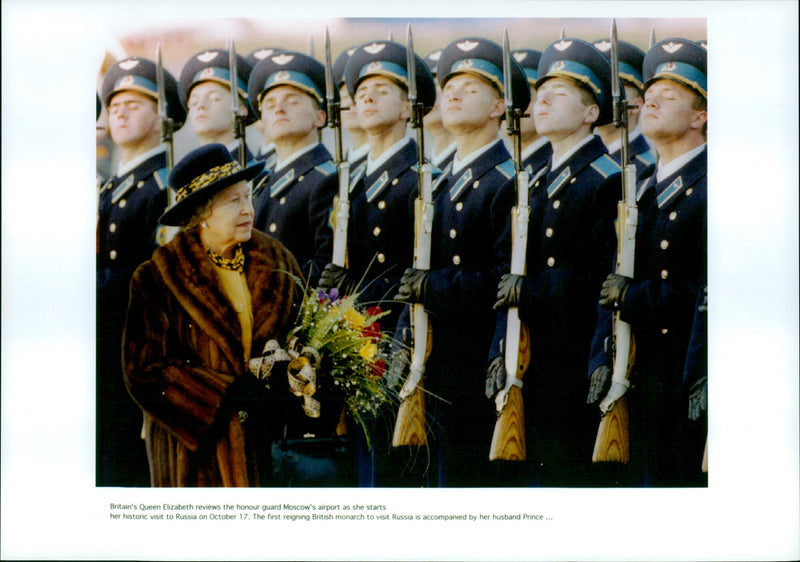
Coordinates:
660	304
294	205
642	157
471	250
127	234
537	160
570	250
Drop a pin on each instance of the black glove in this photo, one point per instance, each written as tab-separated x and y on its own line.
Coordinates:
698	398
509	291
599	383
336	276
412	285
495	376
398	366
613	291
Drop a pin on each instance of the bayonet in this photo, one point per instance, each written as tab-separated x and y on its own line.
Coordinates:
236	108
167	124
652	37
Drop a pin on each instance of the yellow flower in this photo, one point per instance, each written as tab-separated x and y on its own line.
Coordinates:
369	351
354	318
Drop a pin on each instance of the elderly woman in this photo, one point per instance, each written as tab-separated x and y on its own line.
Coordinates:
198	307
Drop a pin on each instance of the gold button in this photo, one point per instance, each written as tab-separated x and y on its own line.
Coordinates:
140	184
395	181
376	231
381	258
112	227
689	192
273	227
112	254
122	203
381	205
301	178
556	204
673	215
573	180
664	273
476	184
459	206
537	183
549	232
664	331
282	201
664	244
551	261
456	259
453	233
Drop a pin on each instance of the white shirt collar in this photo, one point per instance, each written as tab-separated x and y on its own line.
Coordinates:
459	165
266	148
438	158
294	156
665	171
373	165
126	167
356	153
537	144
570	152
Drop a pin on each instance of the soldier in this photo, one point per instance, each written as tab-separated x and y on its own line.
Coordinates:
570	249
293	203
266	151
127	233
642	156
382	200
536	149
670	267
444	147
205	89
359	144
471	249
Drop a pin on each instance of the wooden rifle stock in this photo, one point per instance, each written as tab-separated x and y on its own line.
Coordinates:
411	427
704	465
508	439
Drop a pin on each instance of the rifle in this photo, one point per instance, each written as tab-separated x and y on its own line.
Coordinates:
613	439
239	112
341	203
410	427
167	130
508	440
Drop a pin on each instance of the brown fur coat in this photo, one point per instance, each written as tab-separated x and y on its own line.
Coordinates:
183	349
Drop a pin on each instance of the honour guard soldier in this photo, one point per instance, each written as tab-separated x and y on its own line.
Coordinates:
293	203
266	151
570	249
444	147
358	147
205	89
536	149
470	251
642	156
382	199
127	233
659	302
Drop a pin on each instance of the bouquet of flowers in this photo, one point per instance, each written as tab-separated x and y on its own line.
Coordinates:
337	346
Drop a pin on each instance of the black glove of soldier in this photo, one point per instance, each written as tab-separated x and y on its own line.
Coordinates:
599	383
336	276
698	398
613	291
495	376
509	291
412	285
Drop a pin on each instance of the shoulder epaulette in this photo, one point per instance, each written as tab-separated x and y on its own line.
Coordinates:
326	168
647	157
161	178
507	168
606	166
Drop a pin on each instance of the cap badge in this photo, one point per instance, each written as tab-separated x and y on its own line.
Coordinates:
208	72
520	56
375	65
261	54
375	48
208	56
282	76
603	45
128	64
463	64
126	81
669	67
562	45
558	65
283	58
435	55
671	47
467	45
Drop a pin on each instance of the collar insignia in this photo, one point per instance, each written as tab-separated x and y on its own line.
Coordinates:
456	190
377	188
562	45
558	183
671	47
208	56
129	64
283	58
375	48
467	45
281	183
